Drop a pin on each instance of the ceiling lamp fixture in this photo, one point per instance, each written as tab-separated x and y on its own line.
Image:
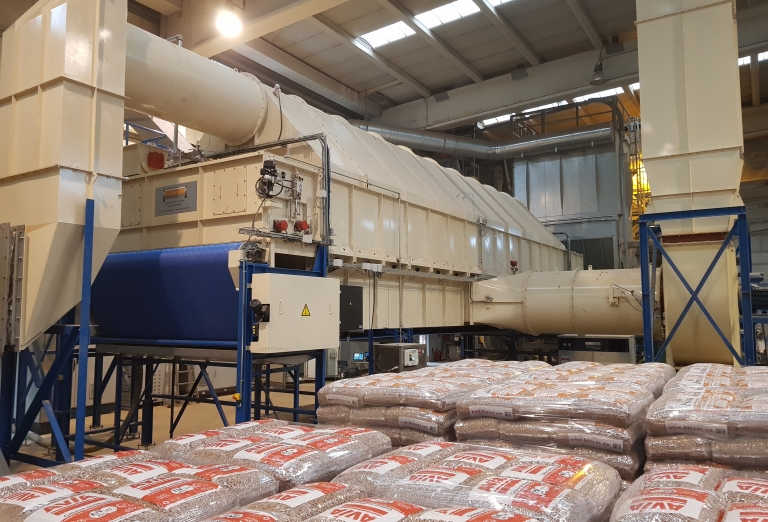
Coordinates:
599	78
228	23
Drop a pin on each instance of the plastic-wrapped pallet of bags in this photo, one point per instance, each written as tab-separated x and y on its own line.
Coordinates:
369	510
300	503
467	514
100	462
22	503
690	448
133	472
745	512
701	375
639	504
706	412
437	394
180	446
251	428
180	499
572	434
744	489
38	477
683	476
372	416
429	421
221	450
254	484
351	392
376	443
334	414
92	506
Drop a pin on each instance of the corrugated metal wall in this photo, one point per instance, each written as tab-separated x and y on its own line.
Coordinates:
585	193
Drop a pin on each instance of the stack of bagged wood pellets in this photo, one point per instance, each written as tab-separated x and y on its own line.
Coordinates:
417	406
519	485
711	413
592	410
694	493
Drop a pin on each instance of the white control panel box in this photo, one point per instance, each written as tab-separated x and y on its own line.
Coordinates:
303	313
411	357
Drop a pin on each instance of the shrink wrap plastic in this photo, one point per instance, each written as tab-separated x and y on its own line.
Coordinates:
543	486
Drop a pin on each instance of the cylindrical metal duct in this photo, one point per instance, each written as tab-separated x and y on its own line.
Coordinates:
582	302
169	82
481	149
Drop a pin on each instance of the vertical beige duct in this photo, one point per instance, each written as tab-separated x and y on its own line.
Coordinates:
692	150
62	81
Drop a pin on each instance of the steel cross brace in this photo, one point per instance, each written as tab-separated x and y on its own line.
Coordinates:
695	294
63	362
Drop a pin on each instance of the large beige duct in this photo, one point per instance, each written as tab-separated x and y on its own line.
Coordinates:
582	302
692	151
172	83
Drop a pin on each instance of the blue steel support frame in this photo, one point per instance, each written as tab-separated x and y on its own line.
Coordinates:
739	230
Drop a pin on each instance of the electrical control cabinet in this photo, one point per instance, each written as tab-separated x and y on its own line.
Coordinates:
398	357
303	313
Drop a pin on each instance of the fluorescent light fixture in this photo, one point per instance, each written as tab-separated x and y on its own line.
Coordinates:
388	34
601	94
228	24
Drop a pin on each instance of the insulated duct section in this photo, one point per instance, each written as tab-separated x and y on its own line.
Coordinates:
489	150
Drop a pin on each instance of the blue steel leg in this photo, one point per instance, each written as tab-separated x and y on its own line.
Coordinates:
62	447
7	391
296	393
85	332
147	411
648	294
257	401
63	356
214	396
745	259
22	381
320	372
62	399
244	383
98	378
371	370
118	397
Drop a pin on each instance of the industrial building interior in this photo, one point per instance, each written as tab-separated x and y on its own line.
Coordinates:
220	213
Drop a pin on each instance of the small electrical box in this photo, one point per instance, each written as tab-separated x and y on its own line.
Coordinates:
398	357
410	357
351	308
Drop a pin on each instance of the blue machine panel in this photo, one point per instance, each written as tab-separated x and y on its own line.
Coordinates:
177	293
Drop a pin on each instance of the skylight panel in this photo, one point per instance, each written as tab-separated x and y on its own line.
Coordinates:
493	121
746	60
635	86
388	34
447	13
762	57
496	3
548	106
601	94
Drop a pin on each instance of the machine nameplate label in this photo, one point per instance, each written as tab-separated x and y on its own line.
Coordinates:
176	199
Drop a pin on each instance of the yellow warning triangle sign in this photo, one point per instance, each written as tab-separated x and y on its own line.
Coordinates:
305	312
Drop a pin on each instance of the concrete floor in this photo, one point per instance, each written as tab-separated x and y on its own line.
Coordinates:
197	417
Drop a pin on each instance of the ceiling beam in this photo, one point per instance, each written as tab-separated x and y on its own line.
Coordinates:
631	95
549	82
380	87
364	50
754	75
257	22
508	31
586	23
396	8
277	60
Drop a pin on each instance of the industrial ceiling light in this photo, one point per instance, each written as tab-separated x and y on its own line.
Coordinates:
598	77
228	23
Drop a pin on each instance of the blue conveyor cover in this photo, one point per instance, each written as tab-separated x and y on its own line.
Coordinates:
180	293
